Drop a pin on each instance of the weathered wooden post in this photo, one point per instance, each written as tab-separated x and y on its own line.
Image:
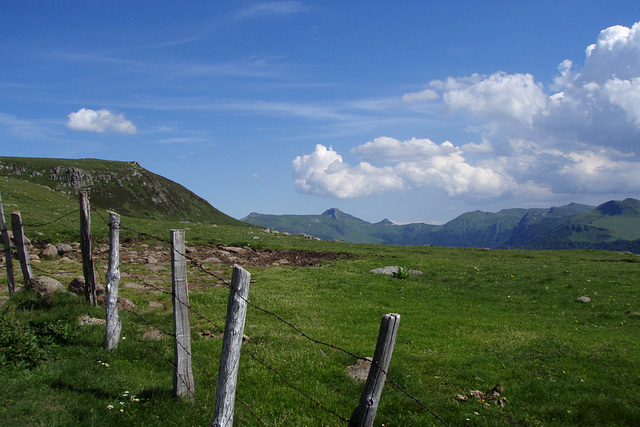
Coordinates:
21	248
85	247
7	250
231	345
183	385
113	325
365	413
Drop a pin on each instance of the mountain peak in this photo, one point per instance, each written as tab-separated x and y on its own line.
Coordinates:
615	207
332	213
385	222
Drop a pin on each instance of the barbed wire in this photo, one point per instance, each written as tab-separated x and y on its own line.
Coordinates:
318	403
190	353
33	225
171	362
199	265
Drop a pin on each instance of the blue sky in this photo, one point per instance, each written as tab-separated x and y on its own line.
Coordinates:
411	111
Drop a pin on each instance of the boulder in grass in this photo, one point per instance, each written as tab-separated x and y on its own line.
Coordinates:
45	286
583	299
50	251
77	286
392	270
360	370
64	248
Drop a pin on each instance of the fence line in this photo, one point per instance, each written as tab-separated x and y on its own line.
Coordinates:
300	332
7	251
268	312
318	403
33	225
171	362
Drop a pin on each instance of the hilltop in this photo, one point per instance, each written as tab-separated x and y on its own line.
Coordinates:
614	225
125	187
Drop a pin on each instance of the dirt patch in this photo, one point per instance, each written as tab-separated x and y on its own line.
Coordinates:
156	256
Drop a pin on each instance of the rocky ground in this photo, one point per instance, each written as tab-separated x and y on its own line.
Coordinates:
147	267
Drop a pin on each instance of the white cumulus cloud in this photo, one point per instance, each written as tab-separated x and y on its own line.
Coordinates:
500	96
578	134
325	174
103	120
415	164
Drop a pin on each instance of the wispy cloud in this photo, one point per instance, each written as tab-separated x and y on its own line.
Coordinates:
276	8
27	129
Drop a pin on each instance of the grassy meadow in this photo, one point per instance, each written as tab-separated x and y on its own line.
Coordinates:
472	320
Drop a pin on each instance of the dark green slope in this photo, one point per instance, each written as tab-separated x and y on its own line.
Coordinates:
545	228
125	187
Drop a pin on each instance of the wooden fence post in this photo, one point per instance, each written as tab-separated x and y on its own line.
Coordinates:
231	345
183	374
21	248
113	325
85	246
365	413
7	250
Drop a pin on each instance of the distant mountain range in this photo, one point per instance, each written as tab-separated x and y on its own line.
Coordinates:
614	225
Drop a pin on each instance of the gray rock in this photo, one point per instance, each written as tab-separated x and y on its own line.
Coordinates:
391	270
360	370
88	320
50	251
64	248
153	334
77	286
45	286
583	299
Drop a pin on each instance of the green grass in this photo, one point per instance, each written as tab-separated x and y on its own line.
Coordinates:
472	320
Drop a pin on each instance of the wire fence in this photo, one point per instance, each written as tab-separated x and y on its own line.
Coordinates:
217	328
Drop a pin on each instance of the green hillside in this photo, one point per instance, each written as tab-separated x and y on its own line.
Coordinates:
611	221
614	225
125	187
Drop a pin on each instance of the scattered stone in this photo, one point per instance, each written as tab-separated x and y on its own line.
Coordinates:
583	299
390	271
208	334
235	250
492	395
153	334
88	320
77	286
154	304
136	286
50	251
360	370
155	268
64	248
45	286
